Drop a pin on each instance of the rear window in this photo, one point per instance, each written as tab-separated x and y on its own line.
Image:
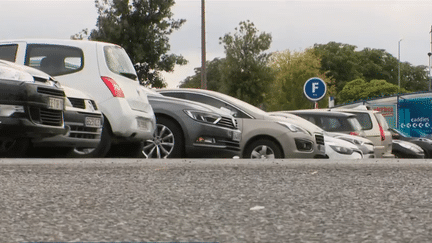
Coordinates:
364	120
54	59
8	52
119	62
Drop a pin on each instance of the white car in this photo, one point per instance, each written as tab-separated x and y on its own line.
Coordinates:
337	146
102	70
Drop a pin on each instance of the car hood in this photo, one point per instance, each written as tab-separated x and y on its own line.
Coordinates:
358	138
296	120
328	140
32	71
74	93
186	103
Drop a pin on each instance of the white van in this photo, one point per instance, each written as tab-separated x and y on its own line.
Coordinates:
102	70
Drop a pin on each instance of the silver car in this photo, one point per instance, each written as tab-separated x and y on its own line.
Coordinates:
263	135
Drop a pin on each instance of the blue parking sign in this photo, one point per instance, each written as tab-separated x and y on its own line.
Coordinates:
315	89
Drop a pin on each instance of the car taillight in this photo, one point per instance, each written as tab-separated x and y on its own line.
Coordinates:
354	133
115	89
381	132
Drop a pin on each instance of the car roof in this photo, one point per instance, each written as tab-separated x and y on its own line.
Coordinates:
69	42
323	113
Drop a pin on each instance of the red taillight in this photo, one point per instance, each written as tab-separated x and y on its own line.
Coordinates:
381	132
115	89
354	133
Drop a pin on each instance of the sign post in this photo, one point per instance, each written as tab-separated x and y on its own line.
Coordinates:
315	89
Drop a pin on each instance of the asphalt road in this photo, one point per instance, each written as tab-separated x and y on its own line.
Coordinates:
131	200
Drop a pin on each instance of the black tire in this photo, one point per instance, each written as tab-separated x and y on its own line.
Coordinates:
14	148
263	149
100	151
167	142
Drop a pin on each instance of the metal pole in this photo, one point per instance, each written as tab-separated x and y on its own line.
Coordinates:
399	63
430	54
203	48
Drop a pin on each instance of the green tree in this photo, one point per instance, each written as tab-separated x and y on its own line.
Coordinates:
245	73
344	64
292	69
142	28
339	61
213	76
359	89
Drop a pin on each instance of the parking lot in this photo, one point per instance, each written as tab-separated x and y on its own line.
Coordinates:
215	200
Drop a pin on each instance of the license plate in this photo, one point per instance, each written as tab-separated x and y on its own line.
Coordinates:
56	103
236	136
93	122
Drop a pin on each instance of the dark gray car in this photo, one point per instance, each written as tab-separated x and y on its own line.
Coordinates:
190	129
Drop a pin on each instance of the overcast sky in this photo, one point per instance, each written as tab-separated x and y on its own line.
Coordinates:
294	25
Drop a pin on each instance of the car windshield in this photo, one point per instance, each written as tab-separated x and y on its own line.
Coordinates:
241	104
402	134
119	62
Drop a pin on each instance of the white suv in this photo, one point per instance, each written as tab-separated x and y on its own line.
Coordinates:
102	70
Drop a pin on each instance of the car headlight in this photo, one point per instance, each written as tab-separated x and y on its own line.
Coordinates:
14	74
9	110
340	149
203	116
294	128
413	147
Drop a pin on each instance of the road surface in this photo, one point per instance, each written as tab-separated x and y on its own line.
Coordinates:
240	200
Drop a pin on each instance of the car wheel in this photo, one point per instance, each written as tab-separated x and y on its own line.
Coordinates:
11	148
263	149
167	141
99	152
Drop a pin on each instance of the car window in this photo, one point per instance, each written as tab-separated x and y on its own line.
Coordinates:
119	62
8	52
354	123
54	59
364	120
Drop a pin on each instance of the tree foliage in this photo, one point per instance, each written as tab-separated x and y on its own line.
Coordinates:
292	70
344	63
142	28
245	73
213	76
359	89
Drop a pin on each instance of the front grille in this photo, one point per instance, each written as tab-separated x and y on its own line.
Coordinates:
84	132
47	116
50	91
226	122
319	139
77	103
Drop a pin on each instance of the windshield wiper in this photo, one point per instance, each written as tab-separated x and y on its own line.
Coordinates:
129	75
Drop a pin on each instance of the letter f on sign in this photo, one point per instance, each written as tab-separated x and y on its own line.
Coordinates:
314	87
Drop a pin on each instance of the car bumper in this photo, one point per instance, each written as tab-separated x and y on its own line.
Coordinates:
126	123
292	150
22	127
82	132
205	140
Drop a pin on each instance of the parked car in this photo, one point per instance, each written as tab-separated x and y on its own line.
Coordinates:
30	107
375	128
424	143
83	121
405	149
340	122
340	149
102	70
263	135
190	129
363	144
